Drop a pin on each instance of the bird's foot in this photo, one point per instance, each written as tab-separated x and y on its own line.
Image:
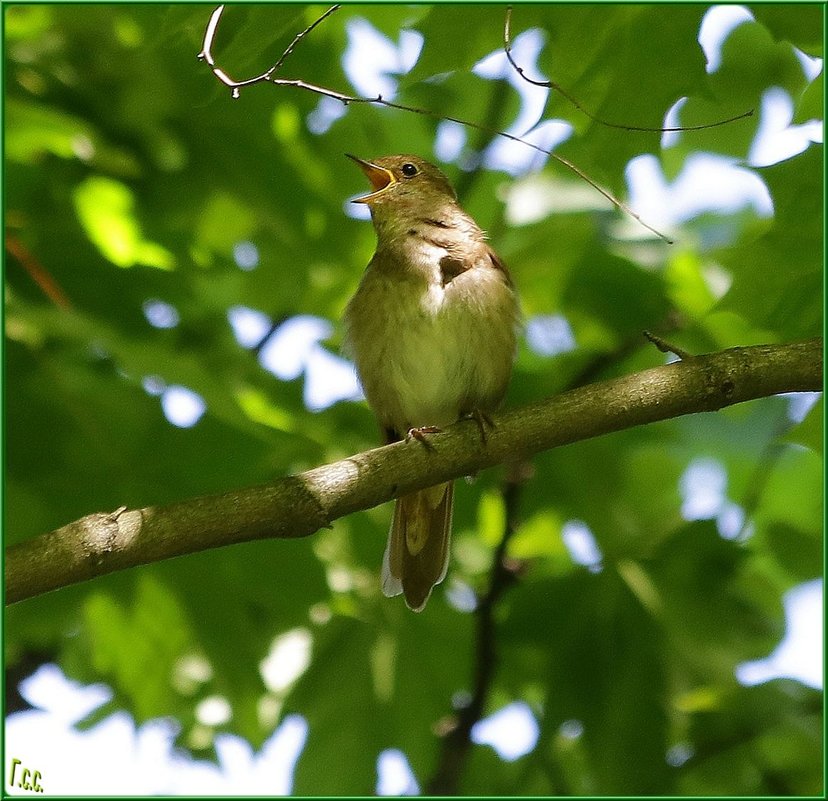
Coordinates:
482	419
419	433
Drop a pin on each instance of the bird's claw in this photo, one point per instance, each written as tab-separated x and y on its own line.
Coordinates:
419	433
482	419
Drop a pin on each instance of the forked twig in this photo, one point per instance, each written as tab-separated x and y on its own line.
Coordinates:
206	54
267	77
507	47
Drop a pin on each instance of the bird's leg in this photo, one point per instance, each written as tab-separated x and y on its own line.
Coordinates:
419	433
390	435
482	419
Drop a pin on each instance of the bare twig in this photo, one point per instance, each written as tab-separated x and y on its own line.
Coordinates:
507	47
666	347
39	274
763	471
206	54
483	140
346	99
302	34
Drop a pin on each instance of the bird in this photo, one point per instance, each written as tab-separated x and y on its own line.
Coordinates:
432	331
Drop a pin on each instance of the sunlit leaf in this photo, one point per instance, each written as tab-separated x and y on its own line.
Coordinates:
106	209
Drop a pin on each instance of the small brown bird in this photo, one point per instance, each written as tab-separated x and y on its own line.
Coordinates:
432	330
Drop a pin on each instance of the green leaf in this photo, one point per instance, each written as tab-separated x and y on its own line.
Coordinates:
731	744
778	278
444	51
751	63
135	647
343	720
800	29
798	551
811	105
644	82
106	210
591	625
715	617
810	432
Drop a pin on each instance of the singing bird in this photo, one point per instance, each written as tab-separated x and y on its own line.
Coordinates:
432	331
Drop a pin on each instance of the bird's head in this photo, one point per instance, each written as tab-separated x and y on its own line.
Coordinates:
403	184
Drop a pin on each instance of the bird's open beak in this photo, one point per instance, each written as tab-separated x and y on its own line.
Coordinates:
379	177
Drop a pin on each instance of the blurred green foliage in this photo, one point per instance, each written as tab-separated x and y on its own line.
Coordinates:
130	175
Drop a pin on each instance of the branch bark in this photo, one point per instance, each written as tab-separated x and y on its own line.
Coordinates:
299	505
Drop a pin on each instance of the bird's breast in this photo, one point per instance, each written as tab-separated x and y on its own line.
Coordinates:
427	351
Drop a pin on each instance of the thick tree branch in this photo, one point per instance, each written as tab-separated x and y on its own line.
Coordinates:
299	505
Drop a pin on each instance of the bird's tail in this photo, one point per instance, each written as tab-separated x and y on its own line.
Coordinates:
417	554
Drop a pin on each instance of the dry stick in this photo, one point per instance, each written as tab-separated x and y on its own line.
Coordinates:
206	55
507	47
300	35
299	505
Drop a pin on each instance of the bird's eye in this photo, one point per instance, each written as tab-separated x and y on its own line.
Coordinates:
409	170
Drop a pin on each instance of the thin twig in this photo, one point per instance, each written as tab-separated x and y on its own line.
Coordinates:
206	53
762	473
346	99
666	347
302	34
483	141
39	274
503	575
507	47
